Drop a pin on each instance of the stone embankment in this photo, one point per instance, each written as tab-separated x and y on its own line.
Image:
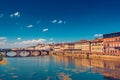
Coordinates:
83	55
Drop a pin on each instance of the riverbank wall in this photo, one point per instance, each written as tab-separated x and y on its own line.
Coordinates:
90	56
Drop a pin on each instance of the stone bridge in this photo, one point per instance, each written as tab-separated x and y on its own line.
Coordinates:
23	53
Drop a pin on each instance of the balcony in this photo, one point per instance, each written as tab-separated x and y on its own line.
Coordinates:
117	48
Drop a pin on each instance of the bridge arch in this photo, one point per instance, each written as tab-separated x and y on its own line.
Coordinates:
11	54
25	53
36	53
44	52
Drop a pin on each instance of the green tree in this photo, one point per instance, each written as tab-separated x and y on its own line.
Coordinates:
1	56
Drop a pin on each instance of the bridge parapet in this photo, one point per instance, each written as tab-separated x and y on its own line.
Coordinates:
18	52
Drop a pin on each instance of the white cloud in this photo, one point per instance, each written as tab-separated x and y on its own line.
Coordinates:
46	29
98	35
54	21
29	42
19	38
11	15
22	44
64	22
29	26
16	14
2	43
1	15
60	21
51	39
3	39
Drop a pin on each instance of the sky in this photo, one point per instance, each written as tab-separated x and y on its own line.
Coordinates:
30	22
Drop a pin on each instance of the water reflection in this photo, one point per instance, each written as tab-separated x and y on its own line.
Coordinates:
3	62
59	68
110	69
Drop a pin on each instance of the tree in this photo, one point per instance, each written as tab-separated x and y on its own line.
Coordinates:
1	56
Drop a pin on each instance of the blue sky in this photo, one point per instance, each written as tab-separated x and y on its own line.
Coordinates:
27	21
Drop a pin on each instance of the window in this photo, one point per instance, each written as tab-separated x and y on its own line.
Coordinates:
111	51
113	45
104	40
117	45
107	45
112	39
110	45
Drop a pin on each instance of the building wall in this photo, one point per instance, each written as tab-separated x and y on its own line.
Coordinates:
112	45
30	48
77	45
97	46
85	47
66	46
82	46
57	47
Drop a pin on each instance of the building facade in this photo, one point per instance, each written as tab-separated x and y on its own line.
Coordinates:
97	45
58	47
68	47
82	46
112	43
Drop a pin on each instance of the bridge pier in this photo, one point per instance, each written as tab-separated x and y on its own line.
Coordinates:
17	54
29	54
5	54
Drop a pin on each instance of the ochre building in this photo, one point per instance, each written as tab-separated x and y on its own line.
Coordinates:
97	46
112	43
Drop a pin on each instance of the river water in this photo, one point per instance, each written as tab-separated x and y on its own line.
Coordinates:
59	68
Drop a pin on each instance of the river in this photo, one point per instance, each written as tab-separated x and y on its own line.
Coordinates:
59	68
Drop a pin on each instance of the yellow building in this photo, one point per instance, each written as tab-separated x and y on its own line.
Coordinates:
97	45
65	46
68	47
82	46
58	47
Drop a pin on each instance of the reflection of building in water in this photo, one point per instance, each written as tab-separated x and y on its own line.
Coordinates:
108	74
82	62
66	61
110	69
106	64
63	60
97	63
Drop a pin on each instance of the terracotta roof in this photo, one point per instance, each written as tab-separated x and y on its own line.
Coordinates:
97	40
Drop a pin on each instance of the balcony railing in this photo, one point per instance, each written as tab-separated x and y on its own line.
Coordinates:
117	48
